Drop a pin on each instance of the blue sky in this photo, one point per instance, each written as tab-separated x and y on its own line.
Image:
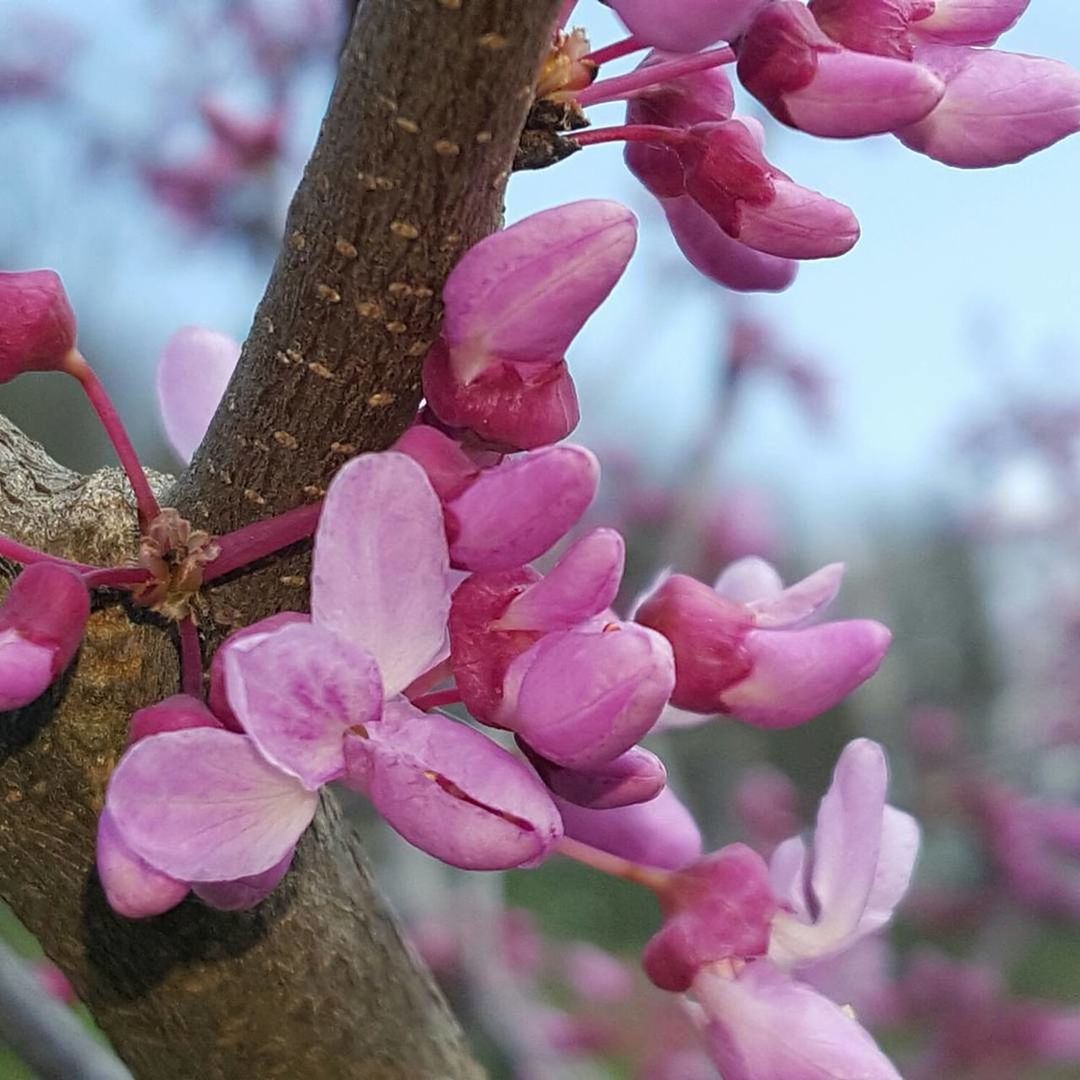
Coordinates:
959	277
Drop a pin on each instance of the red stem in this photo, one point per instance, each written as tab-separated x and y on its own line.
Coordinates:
262	538
616	50
426	702
565	12
623	86
190	657
116	577
650	133
77	366
614	865
20	553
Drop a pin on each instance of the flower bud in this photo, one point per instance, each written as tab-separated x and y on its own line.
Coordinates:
966	22
42	620
634	777
37	325
175	713
687	26
809	82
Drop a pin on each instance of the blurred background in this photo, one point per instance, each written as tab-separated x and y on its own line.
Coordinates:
911	409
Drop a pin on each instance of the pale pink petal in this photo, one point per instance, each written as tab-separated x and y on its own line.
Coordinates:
205	805
513	513
582	584
749	579
452	792
900	837
798	224
688	25
800	601
243	893
766	1026
788	876
799	674
193	372
969	22
133	888
379	574
297	691
523	294
26	670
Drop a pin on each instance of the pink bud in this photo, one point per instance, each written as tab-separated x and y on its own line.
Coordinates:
881	27
720	908
757	204
661	832
720	258
968	22
708	635
448	467
132	886
504	407
687	26
998	107
809	82
634	777
37	325
175	713
584	696
42	620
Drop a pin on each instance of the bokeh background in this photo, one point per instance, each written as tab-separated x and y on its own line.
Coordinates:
911	409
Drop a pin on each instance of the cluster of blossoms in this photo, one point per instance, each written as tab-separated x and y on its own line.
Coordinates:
922	70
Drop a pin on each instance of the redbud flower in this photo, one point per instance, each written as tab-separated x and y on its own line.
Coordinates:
687	26
633	777
505	516
966	22
513	304
808	81
42	620
740	649
37	325
194	368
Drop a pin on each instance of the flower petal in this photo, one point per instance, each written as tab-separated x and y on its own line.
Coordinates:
193	372
133	888
634	777
205	805
800	601
453	792
379	576
297	691
748	580
243	893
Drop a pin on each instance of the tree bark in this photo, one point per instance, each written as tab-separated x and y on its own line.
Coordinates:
408	172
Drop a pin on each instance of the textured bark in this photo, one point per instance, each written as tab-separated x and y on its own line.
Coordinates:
408	172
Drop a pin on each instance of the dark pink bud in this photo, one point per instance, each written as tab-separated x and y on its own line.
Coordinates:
634	777
448	467
37	325
507	407
718	909
808	81
175	713
708	636
42	620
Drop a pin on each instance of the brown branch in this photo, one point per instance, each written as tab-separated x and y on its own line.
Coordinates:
408	172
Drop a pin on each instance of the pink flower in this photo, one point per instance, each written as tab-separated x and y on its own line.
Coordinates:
687	26
514	303
42	621
808	81
37	325
740	647
194	368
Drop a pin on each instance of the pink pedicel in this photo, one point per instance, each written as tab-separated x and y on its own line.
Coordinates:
752	658
37	325
42	621
808	81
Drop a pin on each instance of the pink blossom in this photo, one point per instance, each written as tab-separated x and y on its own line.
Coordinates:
635	776
194	368
740	647
687	26
37	325
42	620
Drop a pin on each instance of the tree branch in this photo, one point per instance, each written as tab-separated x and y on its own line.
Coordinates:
408	172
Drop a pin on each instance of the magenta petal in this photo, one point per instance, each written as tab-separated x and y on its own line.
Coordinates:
766	1026
688	25
379	575
710	251
26	670
523	294
243	893
176	713
660	832
969	22
634	777
37	325
193	372
297	691
242	639
587	695
133	888
453	792
582	584
446	464
513	513
998	107
205	805
798	674
800	601
798	224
